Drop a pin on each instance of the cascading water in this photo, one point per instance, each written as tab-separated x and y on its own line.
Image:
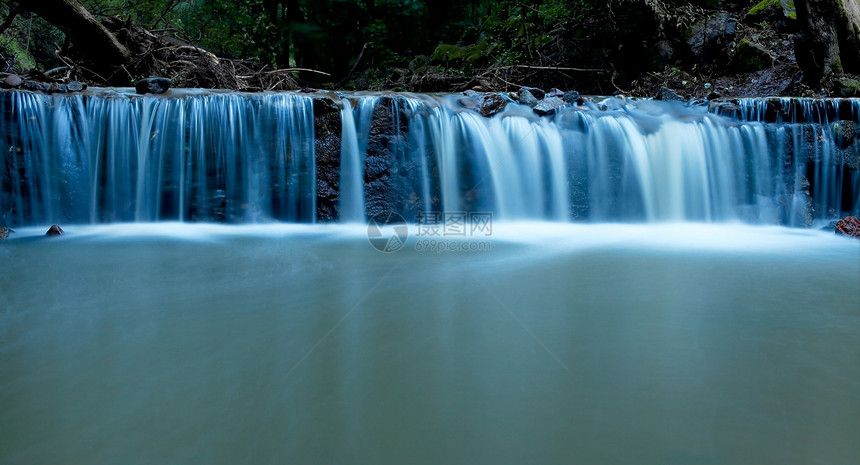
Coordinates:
109	157
117	158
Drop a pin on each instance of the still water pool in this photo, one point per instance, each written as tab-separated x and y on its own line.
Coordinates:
276	344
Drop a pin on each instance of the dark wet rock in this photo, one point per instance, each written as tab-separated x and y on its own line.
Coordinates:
848	226
490	104
57	88
308	90
327	132
392	179
572	97
5	232
75	86
324	106
549	106
844	133
711	37
153	85
714	95
668	94
538	93
54	230
831	226
750	56
555	93
527	98
35	86
11	81
487	104
664	53
724	108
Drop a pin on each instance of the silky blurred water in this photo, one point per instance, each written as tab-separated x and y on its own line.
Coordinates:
663	344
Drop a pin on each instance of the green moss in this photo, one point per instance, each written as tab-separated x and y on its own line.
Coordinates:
761	6
23	59
453	53
838	65
792	15
749	57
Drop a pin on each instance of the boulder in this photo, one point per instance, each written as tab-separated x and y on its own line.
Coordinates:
490	104
668	94
572	97
846	87
54	230
11	81
710	37
35	86
5	232
749	57
549	106
781	13
526	97
75	86
57	88
487	104
848	226
555	93
538	93
153	85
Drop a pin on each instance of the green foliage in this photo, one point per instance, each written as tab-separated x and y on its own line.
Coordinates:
14	49
763	5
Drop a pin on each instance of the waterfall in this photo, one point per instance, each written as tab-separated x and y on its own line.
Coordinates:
118	157
111	156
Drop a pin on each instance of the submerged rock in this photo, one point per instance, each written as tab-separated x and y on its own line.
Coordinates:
153	85
55	230
5	232
848	226
548	106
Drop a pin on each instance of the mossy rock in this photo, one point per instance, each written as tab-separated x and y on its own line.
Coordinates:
750	57
770	11
847	87
453	54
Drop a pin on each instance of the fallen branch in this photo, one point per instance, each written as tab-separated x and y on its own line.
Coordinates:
554	68
284	70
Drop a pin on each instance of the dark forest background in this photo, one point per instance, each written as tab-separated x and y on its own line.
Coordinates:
427	45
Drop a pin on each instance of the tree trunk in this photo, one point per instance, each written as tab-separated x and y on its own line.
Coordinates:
828	40
848	29
89	35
